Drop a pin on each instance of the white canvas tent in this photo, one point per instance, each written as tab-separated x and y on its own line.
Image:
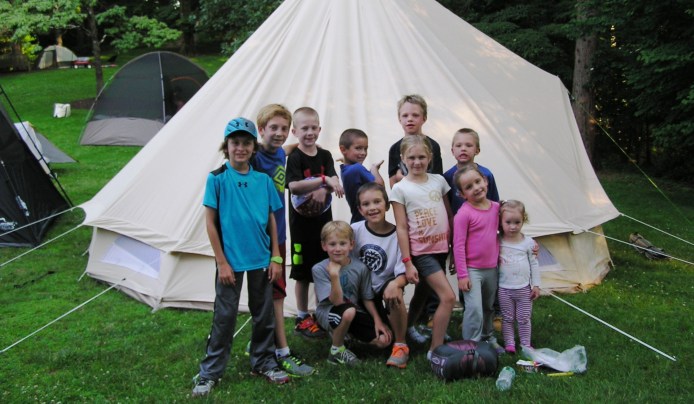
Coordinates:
352	61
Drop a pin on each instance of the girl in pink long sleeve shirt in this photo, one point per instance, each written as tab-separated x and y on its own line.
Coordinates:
476	253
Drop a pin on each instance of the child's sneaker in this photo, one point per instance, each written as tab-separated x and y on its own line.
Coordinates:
510	349
399	356
203	386
308	328
343	357
295	366
416	337
276	375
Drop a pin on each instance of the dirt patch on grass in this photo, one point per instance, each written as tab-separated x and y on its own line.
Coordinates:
82	104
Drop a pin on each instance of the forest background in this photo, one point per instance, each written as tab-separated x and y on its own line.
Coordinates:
626	63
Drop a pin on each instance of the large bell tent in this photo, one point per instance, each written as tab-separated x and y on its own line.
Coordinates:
352	61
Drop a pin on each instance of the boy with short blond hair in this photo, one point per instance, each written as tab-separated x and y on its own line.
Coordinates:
345	296
274	121
465	147
311	175
354	145
412	114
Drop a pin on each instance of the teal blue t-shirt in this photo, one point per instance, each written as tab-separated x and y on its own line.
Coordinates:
243	203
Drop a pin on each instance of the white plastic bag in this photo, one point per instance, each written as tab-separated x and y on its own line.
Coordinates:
571	360
61	110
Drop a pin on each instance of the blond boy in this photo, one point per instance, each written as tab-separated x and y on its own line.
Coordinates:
345	296
412	114
273	122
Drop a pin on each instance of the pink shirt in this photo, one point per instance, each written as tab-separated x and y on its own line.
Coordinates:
475	240
427	217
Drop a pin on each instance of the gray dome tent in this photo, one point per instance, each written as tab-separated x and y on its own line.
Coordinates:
140	98
56	56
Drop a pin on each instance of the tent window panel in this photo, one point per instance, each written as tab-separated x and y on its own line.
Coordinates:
134	255
547	261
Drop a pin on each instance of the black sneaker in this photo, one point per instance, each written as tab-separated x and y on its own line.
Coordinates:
308	328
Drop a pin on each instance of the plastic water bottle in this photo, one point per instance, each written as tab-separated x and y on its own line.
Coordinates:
505	379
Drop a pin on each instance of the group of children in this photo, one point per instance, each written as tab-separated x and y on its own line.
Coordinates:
359	271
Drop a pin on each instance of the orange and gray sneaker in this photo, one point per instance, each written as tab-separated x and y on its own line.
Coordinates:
308	328
399	356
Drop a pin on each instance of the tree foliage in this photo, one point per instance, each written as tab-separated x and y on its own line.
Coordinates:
641	78
129	32
644	82
32	17
233	21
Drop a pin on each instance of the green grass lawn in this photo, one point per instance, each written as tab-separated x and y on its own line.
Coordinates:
116	350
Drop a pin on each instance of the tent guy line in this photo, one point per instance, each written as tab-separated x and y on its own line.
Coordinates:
37	221
242	326
637	246
60	317
672	358
39	246
655	228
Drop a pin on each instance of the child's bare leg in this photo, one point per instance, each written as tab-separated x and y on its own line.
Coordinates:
398	322
341	330
280	334
438	282
301	291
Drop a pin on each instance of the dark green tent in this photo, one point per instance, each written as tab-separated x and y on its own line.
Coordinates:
140	98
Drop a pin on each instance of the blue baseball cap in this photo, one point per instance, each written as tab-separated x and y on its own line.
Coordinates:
240	126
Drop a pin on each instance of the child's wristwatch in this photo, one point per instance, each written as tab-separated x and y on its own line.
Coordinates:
276	259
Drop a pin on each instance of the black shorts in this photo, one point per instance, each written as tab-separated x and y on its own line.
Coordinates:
362	327
304	256
381	306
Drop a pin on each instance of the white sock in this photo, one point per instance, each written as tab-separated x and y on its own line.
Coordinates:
428	355
282	352
335	349
301	314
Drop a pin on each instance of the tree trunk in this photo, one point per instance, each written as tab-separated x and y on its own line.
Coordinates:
584	103
187	26
19	61
96	47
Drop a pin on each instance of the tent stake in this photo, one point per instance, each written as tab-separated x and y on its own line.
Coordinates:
672	358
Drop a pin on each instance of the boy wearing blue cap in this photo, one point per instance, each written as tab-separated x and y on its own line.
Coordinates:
241	242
